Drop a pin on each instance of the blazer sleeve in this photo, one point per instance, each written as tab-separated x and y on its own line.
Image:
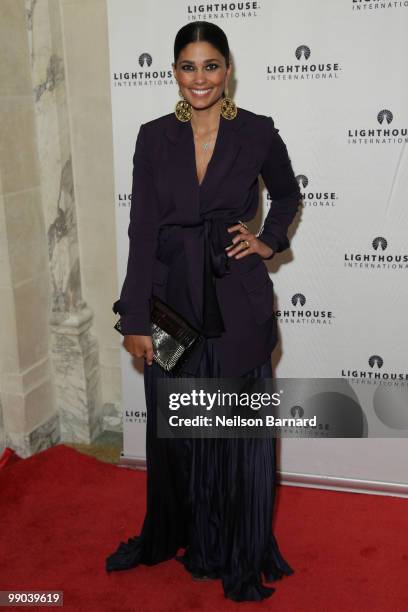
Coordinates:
133	305
280	181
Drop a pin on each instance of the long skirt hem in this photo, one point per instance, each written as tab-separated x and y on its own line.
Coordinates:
211	497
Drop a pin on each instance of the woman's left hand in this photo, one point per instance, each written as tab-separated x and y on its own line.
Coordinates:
245	243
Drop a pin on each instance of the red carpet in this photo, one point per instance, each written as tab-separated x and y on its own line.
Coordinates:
63	512
8	457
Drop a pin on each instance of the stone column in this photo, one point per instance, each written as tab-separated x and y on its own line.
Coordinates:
49	372
74	349
30	420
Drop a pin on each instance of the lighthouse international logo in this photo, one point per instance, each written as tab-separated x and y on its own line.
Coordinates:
208	11
297	411
380	256
385	116
386	390
147	73
375	360
302	51
313	197
309	64
145	59
385	131
124	199
136	416
299	312
374	371
368	6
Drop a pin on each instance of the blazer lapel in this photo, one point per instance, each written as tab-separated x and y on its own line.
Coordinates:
193	201
182	171
189	196
226	151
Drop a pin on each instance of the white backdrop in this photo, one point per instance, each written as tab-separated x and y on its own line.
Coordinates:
333	76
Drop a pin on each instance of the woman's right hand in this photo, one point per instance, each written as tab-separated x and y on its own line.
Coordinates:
140	346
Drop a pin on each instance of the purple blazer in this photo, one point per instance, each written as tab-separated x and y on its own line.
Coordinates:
177	234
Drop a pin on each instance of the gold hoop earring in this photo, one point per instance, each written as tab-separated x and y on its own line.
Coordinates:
228	107
183	109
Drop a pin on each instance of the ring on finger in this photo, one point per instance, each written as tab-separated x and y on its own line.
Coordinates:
245	243
242	224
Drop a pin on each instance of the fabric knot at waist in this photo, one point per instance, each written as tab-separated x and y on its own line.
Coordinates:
207	260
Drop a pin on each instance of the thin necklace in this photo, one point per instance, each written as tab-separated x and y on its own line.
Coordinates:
205	145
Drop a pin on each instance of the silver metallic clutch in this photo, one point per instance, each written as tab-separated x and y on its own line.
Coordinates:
173	338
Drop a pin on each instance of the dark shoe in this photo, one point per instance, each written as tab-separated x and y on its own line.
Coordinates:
203	577
200	577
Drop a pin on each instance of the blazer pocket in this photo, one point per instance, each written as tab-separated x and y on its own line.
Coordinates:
259	289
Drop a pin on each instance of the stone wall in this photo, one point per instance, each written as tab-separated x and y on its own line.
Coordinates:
59	356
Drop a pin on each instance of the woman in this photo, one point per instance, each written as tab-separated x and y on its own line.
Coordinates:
195	183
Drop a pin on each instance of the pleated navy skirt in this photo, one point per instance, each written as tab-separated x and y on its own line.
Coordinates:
211	497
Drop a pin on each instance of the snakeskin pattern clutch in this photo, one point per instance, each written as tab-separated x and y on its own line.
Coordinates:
173	338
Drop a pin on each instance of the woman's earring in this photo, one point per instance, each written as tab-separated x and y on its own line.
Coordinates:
228	107
183	109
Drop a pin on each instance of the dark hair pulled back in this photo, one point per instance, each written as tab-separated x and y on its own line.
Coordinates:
202	31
